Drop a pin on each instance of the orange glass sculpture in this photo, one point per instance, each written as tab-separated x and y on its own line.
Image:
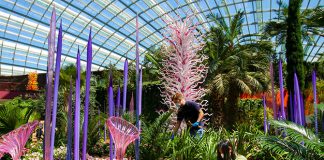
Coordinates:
32	82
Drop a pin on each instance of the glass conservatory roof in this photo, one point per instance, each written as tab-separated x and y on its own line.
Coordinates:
24	26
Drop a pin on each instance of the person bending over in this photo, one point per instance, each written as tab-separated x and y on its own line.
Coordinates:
190	112
225	151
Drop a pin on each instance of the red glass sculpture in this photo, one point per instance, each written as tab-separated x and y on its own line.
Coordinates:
123	133
14	142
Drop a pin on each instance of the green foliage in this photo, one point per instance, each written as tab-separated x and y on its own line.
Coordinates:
294	53
154	137
67	73
129	116
96	145
311	20
95	125
250	111
237	64
100	149
18	111
156	143
298	142
153	63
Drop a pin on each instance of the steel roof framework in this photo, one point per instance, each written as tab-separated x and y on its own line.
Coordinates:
24	26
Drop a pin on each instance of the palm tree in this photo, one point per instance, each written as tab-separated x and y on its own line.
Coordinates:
312	22
237	63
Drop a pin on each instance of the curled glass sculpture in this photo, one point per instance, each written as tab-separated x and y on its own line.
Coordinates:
123	133
14	142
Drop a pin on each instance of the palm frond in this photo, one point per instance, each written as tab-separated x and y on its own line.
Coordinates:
295	130
253	82
243	86
282	148
219	83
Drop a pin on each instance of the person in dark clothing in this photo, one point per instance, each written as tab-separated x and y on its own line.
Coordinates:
225	151
189	111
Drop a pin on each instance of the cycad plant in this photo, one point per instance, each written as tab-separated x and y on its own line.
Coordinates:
237	63
295	142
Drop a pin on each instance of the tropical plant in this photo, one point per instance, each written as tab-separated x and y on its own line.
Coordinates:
153	63
67	73
237	63
295	142
294	51
321	117
18	111
96	125
312	23
154	137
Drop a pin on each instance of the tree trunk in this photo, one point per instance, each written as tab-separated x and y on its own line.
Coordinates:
231	107
216	104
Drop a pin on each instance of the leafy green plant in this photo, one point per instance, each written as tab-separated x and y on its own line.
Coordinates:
154	137
18	111
297	142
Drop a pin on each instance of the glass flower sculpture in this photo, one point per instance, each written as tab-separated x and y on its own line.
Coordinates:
14	142
123	133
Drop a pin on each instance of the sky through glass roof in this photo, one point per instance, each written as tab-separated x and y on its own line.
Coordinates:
24	26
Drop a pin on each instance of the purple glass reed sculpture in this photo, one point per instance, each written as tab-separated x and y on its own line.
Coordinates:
137	143
297	108
111	113
14	142
69	136
87	98
131	105
49	87
282	108
315	101
125	84
118	101
123	133
302	108
56	86
274	105
291	96
77	111
265	126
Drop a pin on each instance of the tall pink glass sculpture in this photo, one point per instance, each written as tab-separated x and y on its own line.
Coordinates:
123	133
14	142
183	70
